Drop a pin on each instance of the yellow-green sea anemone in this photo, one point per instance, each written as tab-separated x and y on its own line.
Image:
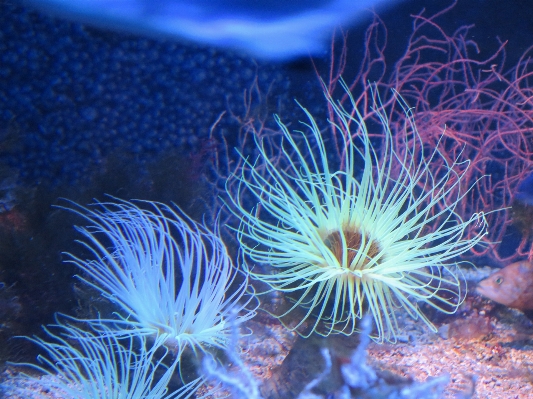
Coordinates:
377	235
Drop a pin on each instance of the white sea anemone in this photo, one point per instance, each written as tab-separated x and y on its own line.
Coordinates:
83	364
171	277
379	234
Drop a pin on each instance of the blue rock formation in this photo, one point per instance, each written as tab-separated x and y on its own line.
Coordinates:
71	96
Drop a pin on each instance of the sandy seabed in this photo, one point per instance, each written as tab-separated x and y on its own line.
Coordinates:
485	349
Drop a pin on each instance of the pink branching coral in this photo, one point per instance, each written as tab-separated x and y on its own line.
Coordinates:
474	108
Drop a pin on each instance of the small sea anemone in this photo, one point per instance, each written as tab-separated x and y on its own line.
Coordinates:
378	234
170	276
95	364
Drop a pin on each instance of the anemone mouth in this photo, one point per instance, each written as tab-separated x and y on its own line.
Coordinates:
353	249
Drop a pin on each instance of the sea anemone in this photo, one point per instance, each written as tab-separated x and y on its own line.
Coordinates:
171	277
378	234
84	364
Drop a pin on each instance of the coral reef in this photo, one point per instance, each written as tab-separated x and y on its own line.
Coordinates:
75	99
